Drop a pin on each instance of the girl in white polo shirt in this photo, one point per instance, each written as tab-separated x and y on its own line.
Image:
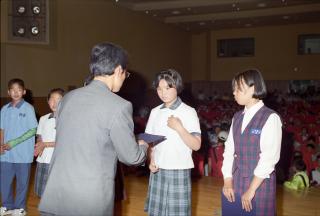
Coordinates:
46	135
169	191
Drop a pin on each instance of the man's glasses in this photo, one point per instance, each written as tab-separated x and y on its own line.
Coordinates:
127	74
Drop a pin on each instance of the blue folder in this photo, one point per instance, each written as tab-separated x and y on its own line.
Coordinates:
151	139
235	208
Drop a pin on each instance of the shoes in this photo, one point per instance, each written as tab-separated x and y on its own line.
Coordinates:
19	212
5	211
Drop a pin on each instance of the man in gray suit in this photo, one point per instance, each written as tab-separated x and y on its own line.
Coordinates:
94	130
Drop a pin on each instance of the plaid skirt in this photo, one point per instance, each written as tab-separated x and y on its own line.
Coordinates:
42	172
169	193
265	196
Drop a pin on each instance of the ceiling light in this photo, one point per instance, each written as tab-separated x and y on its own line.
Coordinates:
238	8
285	17
21	31
233	5
21	9
36	10
202	23
34	30
147	12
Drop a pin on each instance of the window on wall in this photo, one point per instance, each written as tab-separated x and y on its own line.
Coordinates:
309	44
238	47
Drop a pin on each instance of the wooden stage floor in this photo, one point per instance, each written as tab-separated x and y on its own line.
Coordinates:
205	199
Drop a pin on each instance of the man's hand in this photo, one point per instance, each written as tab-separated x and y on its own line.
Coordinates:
142	142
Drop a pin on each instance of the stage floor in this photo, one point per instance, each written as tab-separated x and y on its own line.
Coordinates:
205	198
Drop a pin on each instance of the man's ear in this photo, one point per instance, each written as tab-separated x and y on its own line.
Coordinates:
24	92
118	70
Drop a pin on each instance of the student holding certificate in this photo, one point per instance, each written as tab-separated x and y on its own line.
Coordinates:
169	190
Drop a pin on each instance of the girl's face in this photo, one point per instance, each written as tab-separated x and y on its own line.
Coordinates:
167	94
54	101
243	93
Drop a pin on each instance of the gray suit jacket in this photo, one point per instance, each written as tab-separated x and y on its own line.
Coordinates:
94	130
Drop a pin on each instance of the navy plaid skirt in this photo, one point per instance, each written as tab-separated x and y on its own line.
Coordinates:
169	193
42	172
265	197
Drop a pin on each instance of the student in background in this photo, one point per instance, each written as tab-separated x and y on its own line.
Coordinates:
300	180
46	135
169	190
18	129
253	147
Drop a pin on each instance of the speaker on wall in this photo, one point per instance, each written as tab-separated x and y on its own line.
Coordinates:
28	21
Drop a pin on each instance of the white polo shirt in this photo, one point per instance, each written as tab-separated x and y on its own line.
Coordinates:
173	153
47	131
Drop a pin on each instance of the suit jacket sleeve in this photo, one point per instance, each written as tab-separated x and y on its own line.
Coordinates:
123	139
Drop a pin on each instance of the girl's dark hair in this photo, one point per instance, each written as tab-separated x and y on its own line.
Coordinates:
172	77
299	165
254	78
16	81
55	90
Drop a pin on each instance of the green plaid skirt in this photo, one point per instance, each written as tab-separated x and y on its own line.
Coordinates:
42	172
169	193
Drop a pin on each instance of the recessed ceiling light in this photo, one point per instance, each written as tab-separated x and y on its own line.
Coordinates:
238	8
154	15
285	17
175	12
147	12
202	23
262	4
21	9
233	5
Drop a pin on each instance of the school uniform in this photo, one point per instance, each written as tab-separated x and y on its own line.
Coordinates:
169	192
47	130
15	121
253	149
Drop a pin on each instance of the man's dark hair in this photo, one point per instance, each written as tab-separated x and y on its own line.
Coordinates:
16	81
254	78
105	57
172	77
55	90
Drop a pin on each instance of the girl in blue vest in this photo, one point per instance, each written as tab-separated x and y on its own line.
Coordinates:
253	147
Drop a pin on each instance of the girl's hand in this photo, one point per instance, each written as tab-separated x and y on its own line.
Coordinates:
174	123
39	147
246	200
227	190
153	168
